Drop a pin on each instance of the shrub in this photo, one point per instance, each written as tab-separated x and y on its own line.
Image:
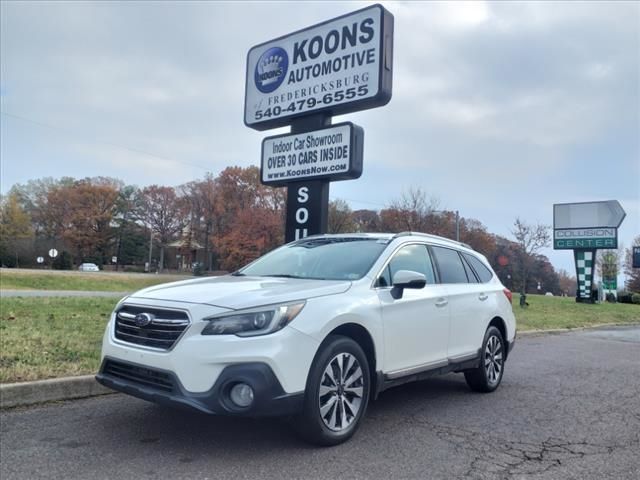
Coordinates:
611	298
624	297
635	298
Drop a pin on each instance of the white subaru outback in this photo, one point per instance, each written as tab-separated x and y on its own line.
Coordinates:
313	330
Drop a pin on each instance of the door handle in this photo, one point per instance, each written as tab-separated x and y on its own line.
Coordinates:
442	302
483	296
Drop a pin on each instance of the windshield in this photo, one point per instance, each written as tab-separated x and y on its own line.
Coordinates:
320	258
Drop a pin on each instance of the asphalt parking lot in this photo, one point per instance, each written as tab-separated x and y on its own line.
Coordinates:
568	408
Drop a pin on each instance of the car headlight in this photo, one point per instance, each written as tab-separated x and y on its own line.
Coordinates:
250	323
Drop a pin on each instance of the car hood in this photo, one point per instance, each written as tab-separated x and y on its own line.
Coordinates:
242	292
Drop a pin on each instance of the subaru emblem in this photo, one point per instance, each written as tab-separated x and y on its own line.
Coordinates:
143	319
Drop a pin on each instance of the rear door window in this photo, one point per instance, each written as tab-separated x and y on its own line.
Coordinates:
450	265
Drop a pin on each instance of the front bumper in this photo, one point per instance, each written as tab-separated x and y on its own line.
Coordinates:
163	387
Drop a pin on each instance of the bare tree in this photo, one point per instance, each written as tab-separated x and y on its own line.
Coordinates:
530	239
340	217
413	210
164	213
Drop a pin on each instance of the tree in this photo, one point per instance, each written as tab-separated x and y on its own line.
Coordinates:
412	211
474	233
164	214
125	211
633	274
81	214
15	225
248	214
33	198
366	221
530	239
567	283
340	217
201	197
608	263
543	274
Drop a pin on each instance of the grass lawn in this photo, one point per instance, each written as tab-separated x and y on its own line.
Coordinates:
51	337
562	312
65	280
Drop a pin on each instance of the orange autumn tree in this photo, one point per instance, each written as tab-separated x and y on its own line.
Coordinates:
81	214
249	218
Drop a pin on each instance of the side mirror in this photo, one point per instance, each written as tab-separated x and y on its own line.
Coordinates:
407	279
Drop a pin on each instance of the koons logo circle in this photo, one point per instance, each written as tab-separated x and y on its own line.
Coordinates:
271	69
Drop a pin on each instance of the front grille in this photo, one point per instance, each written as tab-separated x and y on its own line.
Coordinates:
162	332
143	376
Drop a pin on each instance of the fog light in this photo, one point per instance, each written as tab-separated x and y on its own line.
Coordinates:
241	394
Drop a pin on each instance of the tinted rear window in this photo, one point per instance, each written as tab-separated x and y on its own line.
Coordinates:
481	269
450	266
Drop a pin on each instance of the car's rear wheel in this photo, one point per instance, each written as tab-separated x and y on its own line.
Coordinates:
488	375
337	393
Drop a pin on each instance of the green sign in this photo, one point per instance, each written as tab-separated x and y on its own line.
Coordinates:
585	238
610	283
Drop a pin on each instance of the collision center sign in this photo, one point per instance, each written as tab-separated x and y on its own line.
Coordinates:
586	225
332	153
339	66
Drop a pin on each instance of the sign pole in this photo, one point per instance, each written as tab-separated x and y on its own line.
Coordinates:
585	269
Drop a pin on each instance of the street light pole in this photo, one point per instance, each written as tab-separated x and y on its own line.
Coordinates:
457	226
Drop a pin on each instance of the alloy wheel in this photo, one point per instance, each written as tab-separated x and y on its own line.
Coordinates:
341	392
493	359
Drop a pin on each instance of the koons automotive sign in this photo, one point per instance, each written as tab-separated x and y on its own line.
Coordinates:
339	66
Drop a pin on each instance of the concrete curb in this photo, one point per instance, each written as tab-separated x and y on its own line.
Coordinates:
68	388
552	331
40	391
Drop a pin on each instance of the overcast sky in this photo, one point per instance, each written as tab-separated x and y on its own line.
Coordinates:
499	109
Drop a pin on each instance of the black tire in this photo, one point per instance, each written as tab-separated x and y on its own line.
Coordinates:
311	424
488	375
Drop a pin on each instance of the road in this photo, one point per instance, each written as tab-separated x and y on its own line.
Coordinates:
568	408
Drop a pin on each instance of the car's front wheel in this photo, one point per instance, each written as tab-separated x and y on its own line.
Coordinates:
488	375
337	393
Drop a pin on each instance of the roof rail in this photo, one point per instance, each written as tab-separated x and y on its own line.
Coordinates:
428	235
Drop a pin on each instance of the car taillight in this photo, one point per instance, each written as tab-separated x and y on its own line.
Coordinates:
508	294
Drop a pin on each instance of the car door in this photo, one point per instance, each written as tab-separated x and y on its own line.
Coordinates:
416	326
465	306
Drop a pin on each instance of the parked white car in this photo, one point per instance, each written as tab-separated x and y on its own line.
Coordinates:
88	267
314	329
